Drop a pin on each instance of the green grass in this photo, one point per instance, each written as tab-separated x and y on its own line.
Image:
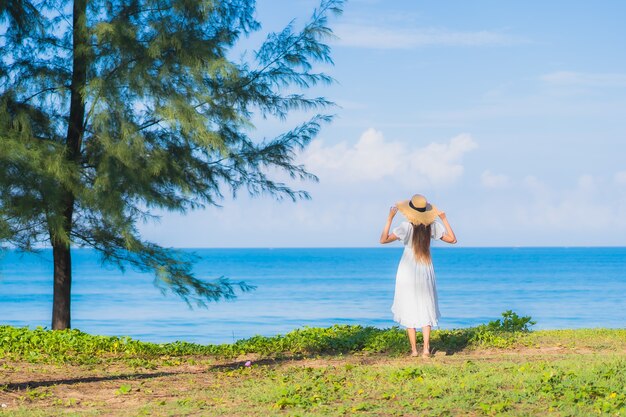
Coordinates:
497	369
509	386
486	388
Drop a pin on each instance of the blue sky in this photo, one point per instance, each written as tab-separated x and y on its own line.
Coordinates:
510	116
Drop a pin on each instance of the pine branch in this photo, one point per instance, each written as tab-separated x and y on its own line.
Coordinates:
45	90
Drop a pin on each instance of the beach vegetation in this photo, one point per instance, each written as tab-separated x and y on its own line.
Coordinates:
112	112
335	371
511	322
478	382
73	346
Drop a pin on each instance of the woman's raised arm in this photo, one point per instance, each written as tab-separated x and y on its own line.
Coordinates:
385	237
449	236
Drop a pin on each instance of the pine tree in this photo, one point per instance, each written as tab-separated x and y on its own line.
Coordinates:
113	109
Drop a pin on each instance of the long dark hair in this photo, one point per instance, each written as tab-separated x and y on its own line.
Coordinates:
421	242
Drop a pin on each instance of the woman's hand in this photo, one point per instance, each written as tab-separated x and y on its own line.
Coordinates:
385	237
449	235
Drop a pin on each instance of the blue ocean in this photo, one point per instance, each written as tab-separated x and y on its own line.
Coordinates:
559	287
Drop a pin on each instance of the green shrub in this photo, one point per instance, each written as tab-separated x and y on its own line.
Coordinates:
41	345
511	322
502	333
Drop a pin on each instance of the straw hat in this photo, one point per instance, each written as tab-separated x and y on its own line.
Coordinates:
418	210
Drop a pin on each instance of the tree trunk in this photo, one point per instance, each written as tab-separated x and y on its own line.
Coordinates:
62	286
61	246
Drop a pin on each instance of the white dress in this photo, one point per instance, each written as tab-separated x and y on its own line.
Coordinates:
415	301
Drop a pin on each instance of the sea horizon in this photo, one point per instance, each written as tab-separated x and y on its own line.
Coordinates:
387	246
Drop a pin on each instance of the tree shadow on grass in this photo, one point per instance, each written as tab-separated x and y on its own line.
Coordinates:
269	361
25	385
20	386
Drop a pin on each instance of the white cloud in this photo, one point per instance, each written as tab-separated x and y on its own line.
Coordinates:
373	158
491	180
440	163
583	207
379	37
620	178
570	78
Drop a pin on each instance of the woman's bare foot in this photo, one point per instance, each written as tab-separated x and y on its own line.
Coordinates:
414	354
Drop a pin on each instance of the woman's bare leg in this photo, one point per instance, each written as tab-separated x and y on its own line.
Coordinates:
426	334
411	333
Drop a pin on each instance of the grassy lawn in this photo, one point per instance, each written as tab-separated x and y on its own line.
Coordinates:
345	370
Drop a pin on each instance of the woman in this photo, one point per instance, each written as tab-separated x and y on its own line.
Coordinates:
415	300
